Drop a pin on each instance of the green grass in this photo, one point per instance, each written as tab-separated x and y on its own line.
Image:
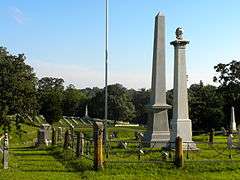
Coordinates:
27	162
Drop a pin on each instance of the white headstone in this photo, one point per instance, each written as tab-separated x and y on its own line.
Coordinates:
230	141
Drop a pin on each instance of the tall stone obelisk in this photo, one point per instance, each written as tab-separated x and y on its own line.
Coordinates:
181	125
158	127
233	122
86	112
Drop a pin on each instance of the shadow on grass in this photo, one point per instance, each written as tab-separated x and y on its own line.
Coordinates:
48	171
68	159
31	154
35	160
27	148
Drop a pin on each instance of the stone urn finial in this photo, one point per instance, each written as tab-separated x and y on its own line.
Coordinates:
179	33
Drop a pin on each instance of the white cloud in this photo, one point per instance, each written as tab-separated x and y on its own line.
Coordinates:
17	15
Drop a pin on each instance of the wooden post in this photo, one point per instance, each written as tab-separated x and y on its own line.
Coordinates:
72	136
98	145
66	140
5	152
211	134
53	136
80	144
179	152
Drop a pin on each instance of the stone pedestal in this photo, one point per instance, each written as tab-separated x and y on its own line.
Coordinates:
181	125
158	129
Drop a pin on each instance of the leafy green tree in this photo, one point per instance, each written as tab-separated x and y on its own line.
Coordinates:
120	107
140	99
50	93
228	76
90	93
205	107
17	87
74	101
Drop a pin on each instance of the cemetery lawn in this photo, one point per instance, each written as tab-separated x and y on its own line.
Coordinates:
26	162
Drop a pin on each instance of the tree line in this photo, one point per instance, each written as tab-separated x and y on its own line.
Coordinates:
23	95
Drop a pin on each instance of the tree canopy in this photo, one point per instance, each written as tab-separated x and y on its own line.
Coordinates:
50	98
228	76
206	107
74	101
21	94
17	87
120	107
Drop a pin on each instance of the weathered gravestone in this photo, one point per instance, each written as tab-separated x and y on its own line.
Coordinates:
230	141
59	134
5	151
67	138
43	135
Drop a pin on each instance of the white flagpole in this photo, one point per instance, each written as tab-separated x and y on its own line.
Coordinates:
106	72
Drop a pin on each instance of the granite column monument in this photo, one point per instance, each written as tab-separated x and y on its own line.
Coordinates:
181	125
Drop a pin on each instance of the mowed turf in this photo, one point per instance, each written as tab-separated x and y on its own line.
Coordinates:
27	162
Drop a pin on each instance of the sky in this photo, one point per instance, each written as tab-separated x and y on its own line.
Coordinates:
65	39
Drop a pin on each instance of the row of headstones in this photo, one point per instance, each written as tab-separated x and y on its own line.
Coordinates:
74	122
229	135
67	138
123	144
69	141
140	137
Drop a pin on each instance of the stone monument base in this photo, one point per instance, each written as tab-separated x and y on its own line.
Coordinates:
157	139
183	129
187	146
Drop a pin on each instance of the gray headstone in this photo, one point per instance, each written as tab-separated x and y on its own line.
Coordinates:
230	141
43	137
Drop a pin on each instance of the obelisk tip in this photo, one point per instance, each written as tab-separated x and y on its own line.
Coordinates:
160	14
